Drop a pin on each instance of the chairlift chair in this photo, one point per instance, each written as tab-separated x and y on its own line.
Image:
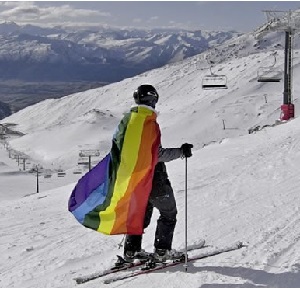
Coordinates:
47	174
61	173
268	74
77	171
83	161
214	81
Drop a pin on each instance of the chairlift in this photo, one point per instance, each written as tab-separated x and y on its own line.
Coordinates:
61	173
83	161
77	171
214	81
47	174
268	74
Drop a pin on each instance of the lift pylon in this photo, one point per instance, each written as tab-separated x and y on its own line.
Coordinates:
289	22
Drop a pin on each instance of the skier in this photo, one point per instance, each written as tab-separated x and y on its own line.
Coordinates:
161	196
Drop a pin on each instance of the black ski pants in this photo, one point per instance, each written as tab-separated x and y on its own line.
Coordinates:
161	198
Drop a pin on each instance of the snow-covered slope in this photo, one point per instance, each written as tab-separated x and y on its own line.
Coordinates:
240	187
244	189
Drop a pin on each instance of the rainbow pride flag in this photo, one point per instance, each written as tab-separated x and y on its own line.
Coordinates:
112	197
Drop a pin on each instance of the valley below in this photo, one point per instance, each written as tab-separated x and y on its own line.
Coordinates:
19	94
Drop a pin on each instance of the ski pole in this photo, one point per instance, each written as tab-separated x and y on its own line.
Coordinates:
186	257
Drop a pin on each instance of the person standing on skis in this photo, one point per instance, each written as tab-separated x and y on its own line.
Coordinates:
161	196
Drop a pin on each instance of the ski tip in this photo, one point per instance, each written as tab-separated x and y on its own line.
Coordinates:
79	280
120	258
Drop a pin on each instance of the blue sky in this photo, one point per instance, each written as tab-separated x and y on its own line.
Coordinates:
242	16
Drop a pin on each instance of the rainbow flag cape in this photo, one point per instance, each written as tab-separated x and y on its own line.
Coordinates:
112	197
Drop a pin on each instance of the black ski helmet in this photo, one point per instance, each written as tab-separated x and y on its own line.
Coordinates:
146	94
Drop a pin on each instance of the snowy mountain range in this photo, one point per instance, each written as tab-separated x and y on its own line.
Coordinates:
241	186
34	53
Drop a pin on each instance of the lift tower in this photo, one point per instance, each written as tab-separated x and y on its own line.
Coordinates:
289	22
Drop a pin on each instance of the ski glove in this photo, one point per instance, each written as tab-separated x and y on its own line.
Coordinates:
186	150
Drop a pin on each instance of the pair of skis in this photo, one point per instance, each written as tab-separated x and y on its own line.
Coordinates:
143	268
125	266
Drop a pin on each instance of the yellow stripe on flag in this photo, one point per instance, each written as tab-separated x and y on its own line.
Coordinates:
129	156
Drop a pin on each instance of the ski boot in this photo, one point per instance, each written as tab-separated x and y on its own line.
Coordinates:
164	255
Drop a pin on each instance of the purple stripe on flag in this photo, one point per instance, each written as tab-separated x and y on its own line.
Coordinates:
88	183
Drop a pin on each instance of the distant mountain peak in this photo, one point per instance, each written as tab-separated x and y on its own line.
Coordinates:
33	53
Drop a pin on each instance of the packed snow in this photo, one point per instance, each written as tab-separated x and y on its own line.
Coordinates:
241	186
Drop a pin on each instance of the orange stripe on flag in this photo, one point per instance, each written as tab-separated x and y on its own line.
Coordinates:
130	210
